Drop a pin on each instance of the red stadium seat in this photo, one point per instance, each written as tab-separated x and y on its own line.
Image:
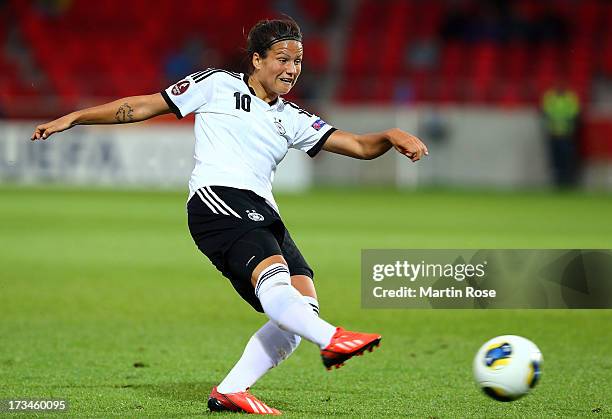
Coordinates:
101	48
317	54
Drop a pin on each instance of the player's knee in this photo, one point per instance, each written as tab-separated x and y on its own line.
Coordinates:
303	283
265	265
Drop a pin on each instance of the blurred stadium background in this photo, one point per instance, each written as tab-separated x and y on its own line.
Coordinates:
467	76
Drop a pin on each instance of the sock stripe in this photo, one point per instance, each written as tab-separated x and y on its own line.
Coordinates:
314	304
272	272
266	275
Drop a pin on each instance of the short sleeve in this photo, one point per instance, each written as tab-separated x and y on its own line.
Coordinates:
189	94
311	132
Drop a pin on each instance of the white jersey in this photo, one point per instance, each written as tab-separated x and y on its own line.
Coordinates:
240	138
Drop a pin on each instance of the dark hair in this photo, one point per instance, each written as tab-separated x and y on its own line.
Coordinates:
266	33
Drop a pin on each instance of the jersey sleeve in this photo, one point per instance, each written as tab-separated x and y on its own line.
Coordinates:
189	94
310	133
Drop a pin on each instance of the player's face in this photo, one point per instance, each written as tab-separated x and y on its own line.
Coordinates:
279	71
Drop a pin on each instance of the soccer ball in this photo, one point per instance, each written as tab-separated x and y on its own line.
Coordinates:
507	367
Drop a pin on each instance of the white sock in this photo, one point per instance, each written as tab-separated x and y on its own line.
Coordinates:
267	348
313	303
286	307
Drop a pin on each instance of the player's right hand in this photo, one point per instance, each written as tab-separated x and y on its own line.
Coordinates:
44	131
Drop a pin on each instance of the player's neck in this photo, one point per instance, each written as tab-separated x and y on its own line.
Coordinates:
260	91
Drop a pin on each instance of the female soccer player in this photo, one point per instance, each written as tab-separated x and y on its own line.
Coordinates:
243	129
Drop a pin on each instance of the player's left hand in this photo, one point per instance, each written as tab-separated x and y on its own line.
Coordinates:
406	144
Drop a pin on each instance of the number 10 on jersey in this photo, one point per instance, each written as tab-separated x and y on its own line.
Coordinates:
243	102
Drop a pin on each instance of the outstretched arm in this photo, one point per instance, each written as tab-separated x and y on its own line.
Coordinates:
370	146
121	111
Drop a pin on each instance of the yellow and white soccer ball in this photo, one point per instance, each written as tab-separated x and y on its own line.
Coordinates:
507	367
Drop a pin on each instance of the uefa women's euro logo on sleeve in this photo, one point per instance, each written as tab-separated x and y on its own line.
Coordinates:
180	88
318	124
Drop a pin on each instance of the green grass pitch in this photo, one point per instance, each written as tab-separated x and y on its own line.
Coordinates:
94	282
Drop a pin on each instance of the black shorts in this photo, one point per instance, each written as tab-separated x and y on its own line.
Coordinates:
236	229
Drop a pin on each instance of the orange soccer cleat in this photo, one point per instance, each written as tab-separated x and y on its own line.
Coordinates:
345	344
242	401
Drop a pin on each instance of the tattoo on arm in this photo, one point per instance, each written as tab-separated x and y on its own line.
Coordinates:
125	113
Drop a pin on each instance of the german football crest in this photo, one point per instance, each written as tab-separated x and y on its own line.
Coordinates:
281	129
254	215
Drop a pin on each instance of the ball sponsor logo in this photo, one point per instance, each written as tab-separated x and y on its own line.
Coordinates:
180	88
498	355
